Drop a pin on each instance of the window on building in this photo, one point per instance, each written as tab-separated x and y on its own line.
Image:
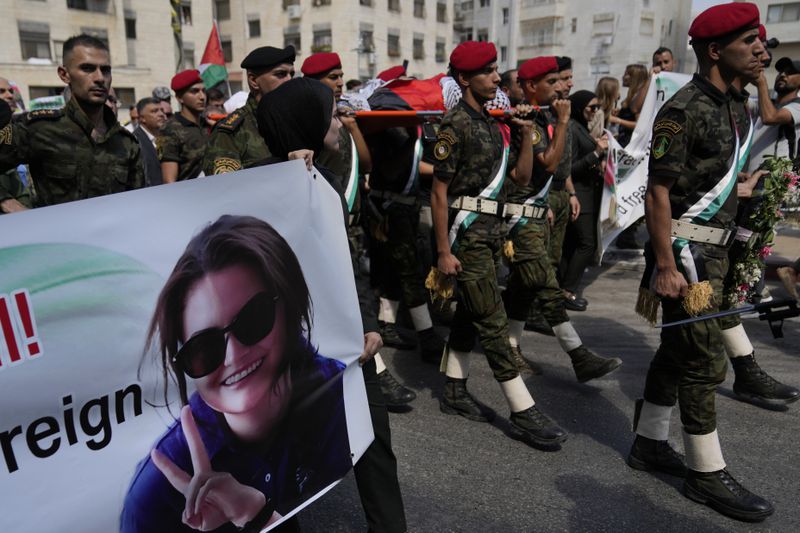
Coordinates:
254	26
504	53
186	12
96	6
321	3
34	38
485	3
292	38
188	58
419	47
483	35
647	26
393	5
323	41
58	50
419	8
227	49
574	25
467	6
367	3
505	16
41	92
441	53
669	32
97	33
603	24
367	41
441	12
784	12
223	9
130	26
393	44
287	3
125	96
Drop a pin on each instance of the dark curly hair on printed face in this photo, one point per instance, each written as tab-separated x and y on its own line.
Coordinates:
234	240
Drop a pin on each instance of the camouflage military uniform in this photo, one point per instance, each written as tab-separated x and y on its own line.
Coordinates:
235	142
395	264
533	274
184	142
693	143
64	161
559	203
468	152
11	188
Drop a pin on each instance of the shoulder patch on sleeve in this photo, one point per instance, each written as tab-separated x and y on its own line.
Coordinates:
536	137
6	134
223	165
45	114
231	122
446	136
661	144
441	150
667	126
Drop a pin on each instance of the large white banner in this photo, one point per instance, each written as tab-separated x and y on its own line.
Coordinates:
625	181
92	434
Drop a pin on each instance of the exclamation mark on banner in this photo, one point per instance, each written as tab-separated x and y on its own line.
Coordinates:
8	331
25	311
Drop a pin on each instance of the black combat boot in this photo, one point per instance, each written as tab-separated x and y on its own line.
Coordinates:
431	346
648	454
396	395
724	494
537	323
589	365
391	337
524	367
457	401
535	429
754	385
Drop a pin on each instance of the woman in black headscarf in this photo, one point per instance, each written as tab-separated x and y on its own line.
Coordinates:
298	120
587	176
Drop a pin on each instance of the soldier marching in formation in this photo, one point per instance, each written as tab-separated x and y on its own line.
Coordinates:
500	187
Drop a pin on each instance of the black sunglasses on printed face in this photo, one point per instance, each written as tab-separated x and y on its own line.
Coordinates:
205	351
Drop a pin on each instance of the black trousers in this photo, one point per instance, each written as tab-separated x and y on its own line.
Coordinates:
376	470
579	248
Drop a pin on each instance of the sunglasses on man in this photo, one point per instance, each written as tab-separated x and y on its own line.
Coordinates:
205	351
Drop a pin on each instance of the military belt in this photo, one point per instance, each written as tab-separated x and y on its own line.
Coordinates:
394	197
493	207
702	234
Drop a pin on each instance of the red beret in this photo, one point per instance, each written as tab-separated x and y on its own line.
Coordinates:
536	67
391	73
724	19
762	32
320	63
184	79
473	55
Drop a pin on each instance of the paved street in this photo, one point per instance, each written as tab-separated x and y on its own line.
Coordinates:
459	475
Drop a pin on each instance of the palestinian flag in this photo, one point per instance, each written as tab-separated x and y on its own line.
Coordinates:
212	65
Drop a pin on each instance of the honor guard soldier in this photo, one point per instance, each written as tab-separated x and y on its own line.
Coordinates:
235	143
690	207
533	275
751	383
182	142
471	158
352	159
80	151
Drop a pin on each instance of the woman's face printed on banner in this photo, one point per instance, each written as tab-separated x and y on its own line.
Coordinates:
245	382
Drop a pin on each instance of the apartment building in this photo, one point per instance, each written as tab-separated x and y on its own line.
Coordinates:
601	37
138	33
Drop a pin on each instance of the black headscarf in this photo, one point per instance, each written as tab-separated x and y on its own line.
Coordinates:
295	116
579	102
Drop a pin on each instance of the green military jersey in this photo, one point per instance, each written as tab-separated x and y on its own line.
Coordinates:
65	162
235	142
184	142
693	144
541	136
564	169
741	114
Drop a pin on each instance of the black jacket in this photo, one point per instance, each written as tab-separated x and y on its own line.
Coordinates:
152	168
587	174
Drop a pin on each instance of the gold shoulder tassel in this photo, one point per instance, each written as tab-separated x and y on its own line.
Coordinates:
698	298
441	287
647	305
508	250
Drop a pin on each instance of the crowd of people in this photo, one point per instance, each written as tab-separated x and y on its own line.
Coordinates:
503	209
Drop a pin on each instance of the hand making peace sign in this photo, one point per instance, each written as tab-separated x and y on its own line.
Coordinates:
212	498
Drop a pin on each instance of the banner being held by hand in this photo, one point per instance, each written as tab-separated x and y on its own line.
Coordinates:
180	357
625	180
